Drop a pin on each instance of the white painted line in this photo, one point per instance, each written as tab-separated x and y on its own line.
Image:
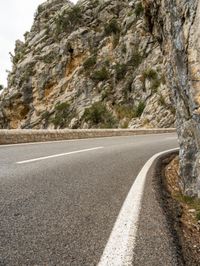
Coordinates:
58	155
120	247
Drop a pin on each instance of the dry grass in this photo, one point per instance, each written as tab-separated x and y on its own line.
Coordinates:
189	221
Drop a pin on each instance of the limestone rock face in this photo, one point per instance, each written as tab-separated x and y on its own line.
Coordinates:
175	25
93	64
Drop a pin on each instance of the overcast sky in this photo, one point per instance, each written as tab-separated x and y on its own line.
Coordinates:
16	17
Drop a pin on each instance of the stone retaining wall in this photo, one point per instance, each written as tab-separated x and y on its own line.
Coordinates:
25	136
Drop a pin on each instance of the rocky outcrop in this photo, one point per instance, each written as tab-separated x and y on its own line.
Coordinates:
175	26
85	66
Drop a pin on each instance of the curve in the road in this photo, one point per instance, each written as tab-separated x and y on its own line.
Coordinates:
120	247
61	210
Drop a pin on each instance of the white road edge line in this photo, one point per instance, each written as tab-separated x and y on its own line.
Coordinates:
120	246
58	155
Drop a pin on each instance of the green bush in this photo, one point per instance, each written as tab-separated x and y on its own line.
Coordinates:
62	114
18	56
61	23
48	59
136	60
75	14
67	19
94	3
121	70
198	216
106	63
139	10
1	87
106	93
192	202
155	85
124	111
38	11
112	27
62	107
90	62
140	108
45	115
98	115
150	74
100	75
57	121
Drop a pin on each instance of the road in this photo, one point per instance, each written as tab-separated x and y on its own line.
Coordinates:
60	200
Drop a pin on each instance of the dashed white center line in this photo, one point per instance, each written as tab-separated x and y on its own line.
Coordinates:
58	155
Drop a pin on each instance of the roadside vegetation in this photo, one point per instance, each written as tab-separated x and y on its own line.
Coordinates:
153	77
67	19
62	115
140	108
90	62
112	27
192	202
136	60
99	116
100	75
121	70
139	10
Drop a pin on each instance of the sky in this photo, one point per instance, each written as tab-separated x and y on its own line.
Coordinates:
16	17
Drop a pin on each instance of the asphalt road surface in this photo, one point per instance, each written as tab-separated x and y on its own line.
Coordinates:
60	200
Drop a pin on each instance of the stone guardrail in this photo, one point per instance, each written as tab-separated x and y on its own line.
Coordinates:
27	136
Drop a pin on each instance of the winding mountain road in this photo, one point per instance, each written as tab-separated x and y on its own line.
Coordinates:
59	200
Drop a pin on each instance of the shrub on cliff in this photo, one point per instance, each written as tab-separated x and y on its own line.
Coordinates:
155	85
62	113
140	108
100	75
136	59
139	10
124	111
112	27
74	14
121	70
68	18
90	62
98	115
152	76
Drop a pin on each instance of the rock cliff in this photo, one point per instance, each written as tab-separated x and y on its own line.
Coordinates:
93	64
175	26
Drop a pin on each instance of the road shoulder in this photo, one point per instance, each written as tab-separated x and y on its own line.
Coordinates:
156	243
